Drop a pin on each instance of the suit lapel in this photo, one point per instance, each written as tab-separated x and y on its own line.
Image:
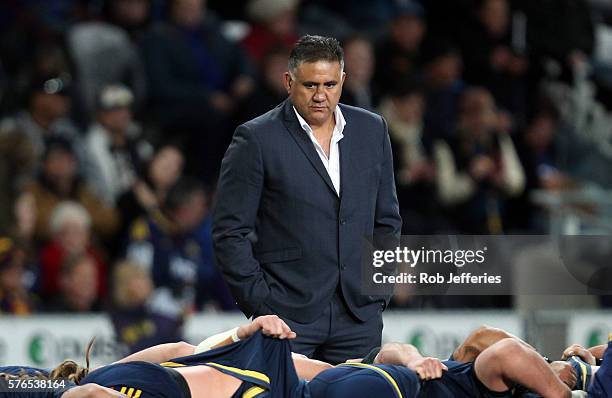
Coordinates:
304	142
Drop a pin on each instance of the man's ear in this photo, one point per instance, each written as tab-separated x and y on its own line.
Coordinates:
343	77
287	82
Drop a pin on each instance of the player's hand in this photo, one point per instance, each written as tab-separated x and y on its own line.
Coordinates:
565	372
428	368
270	325
92	390
579	351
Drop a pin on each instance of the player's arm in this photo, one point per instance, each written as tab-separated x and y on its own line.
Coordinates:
587	355
270	325
598	351
307	368
407	355
161	353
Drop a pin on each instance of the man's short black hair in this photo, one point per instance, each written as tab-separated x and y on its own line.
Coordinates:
311	48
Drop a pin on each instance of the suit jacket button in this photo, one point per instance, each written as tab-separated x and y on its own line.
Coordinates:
342	222
342	266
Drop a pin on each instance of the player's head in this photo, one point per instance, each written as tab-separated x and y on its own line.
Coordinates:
71	370
315	77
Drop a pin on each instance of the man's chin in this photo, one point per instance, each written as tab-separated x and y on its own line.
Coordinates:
318	118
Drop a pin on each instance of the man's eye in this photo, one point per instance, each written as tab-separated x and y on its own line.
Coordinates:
308	85
330	85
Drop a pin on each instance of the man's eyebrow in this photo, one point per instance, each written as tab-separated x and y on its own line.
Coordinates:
308	82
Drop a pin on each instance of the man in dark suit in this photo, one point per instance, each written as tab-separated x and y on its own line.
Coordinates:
300	188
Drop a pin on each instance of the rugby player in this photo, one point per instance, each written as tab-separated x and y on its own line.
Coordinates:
145	374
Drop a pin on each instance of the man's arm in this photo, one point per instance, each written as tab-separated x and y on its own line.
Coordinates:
239	192
588	355
387	220
598	351
160	353
270	325
407	355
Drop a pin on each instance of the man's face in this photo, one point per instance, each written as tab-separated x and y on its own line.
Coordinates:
131	12
359	61
190	214
60	165
315	90
54	106
116	120
188	13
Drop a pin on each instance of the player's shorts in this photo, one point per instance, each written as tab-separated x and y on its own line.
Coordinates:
458	382
28	370
140	379
365	381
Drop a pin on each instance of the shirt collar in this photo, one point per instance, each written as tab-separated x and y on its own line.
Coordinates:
338	116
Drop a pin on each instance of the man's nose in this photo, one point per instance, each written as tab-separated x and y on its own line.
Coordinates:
319	95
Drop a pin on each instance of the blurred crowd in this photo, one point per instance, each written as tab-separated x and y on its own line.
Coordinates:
115	114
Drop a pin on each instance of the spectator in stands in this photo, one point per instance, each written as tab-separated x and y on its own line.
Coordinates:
90	42
270	90
273	25
47	113
561	31
17	165
149	192
538	153
177	251
133	16
415	173
115	149
489	58
14	297
59	180
77	282
443	87
359	68
478	169
71	236
399	53
136	325
195	78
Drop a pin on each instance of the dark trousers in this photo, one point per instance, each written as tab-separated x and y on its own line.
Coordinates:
336	335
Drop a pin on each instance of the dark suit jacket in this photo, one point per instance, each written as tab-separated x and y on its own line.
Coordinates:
283	238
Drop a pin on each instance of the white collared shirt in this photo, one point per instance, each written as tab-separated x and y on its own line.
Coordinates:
331	163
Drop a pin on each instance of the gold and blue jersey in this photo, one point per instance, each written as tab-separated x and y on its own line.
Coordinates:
264	365
459	381
601	387
138	379
356	380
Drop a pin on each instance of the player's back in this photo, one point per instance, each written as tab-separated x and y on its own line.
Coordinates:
459	381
